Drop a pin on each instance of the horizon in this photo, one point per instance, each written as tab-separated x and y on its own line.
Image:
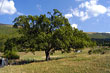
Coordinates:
83	31
89	15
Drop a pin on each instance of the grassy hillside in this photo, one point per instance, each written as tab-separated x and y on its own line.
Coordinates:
62	63
6	31
101	39
99	35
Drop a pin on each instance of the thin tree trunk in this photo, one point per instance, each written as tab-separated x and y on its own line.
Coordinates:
47	53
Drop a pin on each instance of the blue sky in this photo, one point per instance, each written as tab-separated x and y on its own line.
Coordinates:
86	15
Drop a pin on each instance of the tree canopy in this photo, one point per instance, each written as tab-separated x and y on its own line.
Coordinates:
48	33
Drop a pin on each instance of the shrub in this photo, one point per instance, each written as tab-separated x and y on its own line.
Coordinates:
90	52
10	49
11	55
98	51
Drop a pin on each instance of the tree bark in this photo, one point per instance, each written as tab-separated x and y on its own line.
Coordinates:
47	53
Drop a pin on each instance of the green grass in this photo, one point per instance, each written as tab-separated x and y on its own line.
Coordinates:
6	32
99	35
69	63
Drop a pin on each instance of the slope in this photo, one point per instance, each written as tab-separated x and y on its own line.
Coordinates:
6	32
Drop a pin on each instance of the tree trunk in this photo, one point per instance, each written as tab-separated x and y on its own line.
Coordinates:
47	53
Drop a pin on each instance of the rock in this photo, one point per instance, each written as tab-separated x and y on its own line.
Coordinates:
3	62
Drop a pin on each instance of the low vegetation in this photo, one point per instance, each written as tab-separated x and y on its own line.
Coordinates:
62	63
99	50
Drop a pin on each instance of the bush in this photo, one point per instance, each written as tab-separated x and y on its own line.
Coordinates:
10	49
98	51
90	52
106	48
11	55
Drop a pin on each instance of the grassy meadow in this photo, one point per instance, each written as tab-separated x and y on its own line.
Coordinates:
62	63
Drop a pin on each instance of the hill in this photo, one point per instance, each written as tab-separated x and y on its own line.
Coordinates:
101	39
97	35
6	32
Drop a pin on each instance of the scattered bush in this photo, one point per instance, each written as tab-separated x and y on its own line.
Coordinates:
98	51
11	55
90	52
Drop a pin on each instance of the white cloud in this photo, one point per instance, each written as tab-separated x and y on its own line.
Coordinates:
8	7
74	26
108	11
90	9
83	15
93	8
19	13
75	12
68	15
108	14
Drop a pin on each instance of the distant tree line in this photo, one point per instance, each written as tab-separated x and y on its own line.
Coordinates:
101	42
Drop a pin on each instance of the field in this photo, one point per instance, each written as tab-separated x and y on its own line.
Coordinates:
62	63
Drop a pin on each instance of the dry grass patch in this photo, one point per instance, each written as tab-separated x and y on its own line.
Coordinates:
68	63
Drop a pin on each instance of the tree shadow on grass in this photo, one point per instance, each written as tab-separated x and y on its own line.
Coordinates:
22	62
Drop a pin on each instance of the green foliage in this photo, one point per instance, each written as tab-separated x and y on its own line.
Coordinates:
102	42
101	39
49	33
81	40
41	28
98	51
11	55
62	38
6	32
10	49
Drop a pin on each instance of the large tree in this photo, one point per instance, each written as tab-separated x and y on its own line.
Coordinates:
49	33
